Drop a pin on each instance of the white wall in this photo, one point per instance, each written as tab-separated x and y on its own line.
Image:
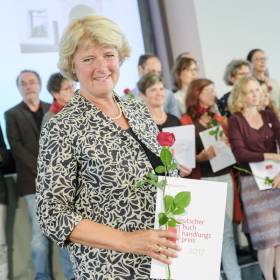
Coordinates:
183	29
218	31
13	16
229	29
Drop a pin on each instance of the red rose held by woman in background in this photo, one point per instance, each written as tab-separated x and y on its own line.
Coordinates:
126	91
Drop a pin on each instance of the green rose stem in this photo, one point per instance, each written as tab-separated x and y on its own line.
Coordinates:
218	131
267	180
166	226
166	158
173	206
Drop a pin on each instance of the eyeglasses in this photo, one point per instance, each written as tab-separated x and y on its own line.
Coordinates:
192	70
260	59
242	74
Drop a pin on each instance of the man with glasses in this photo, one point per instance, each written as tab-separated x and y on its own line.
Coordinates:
23	123
150	63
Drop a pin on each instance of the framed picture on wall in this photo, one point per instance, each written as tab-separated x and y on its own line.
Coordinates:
39	24
39	33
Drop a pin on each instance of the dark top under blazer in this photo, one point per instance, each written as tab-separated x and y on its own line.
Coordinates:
23	136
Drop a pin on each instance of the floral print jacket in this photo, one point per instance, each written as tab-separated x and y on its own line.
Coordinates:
87	169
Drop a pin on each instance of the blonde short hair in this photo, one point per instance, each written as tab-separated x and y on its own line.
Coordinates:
85	31
238	94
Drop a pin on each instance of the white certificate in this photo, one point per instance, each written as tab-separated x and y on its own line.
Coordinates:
184	146
263	169
224	156
200	232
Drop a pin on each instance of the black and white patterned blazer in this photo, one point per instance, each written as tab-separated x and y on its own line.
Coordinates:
87	169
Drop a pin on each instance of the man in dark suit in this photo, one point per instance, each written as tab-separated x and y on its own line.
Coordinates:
23	123
4	160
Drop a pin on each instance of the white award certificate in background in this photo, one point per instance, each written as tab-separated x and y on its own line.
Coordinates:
200	232
184	146
262	169
224	156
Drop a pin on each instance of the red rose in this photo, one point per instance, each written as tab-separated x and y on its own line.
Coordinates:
269	166
126	91
166	139
202	110
174	230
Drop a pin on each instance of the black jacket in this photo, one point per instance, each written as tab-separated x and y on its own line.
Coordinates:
23	136
5	161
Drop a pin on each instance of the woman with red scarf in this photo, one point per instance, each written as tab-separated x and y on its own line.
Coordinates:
62	91
200	102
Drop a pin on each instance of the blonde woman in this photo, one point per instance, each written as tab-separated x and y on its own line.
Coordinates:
254	136
91	156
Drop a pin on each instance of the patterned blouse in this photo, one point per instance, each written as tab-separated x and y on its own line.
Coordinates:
87	169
